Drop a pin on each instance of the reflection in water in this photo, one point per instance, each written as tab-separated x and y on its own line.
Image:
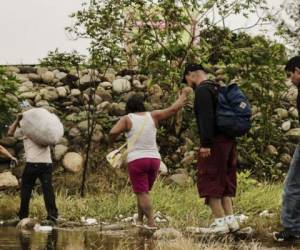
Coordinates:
12	239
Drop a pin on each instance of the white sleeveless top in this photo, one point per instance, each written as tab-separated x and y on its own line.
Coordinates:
144	145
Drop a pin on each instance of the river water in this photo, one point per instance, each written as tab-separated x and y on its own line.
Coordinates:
79	239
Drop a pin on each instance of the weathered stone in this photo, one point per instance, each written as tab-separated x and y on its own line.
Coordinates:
104	94
49	93
291	94
137	84
167	234
42	103
282	113
110	77
73	162
97	136
75	92
63	141
26	224
188	159
27	69
25	87
12	69
47	77
294	133
181	179
74	132
118	109
286	126
28	95
7	180
62	92
271	150
285	158
12	98
22	78
59	75
106	85
34	77
294	112
121	85
37	98
59	151
156	90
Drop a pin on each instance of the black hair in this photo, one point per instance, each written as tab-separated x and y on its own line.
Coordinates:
190	68
292	64
135	104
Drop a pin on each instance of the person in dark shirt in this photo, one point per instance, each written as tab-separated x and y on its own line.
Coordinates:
290	214
217	159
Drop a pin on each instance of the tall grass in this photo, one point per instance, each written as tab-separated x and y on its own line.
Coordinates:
181	204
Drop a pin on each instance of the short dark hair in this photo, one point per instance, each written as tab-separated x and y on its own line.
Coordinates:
135	104
190	68
292	64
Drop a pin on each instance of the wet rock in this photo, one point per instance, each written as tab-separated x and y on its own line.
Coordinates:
286	126
73	162
121	85
113	227
167	234
7	180
26	224
59	151
47	77
294	133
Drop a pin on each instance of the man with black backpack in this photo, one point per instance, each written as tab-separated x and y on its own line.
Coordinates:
217	159
290	214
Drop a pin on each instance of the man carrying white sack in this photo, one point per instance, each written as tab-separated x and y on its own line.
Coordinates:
38	165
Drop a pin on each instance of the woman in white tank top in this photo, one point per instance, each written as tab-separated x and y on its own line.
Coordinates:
143	155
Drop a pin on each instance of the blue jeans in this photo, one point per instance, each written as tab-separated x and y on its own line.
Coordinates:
290	214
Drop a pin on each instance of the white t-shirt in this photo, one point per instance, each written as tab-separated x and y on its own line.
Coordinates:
33	152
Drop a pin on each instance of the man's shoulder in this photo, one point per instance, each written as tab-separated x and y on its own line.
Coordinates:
208	86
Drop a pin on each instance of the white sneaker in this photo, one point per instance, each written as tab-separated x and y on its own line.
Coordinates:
234	226
214	229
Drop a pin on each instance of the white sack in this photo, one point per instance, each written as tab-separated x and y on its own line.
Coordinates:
42	127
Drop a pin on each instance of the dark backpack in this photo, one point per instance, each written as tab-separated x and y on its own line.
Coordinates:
233	111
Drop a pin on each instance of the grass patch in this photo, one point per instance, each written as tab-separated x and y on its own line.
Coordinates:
182	204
